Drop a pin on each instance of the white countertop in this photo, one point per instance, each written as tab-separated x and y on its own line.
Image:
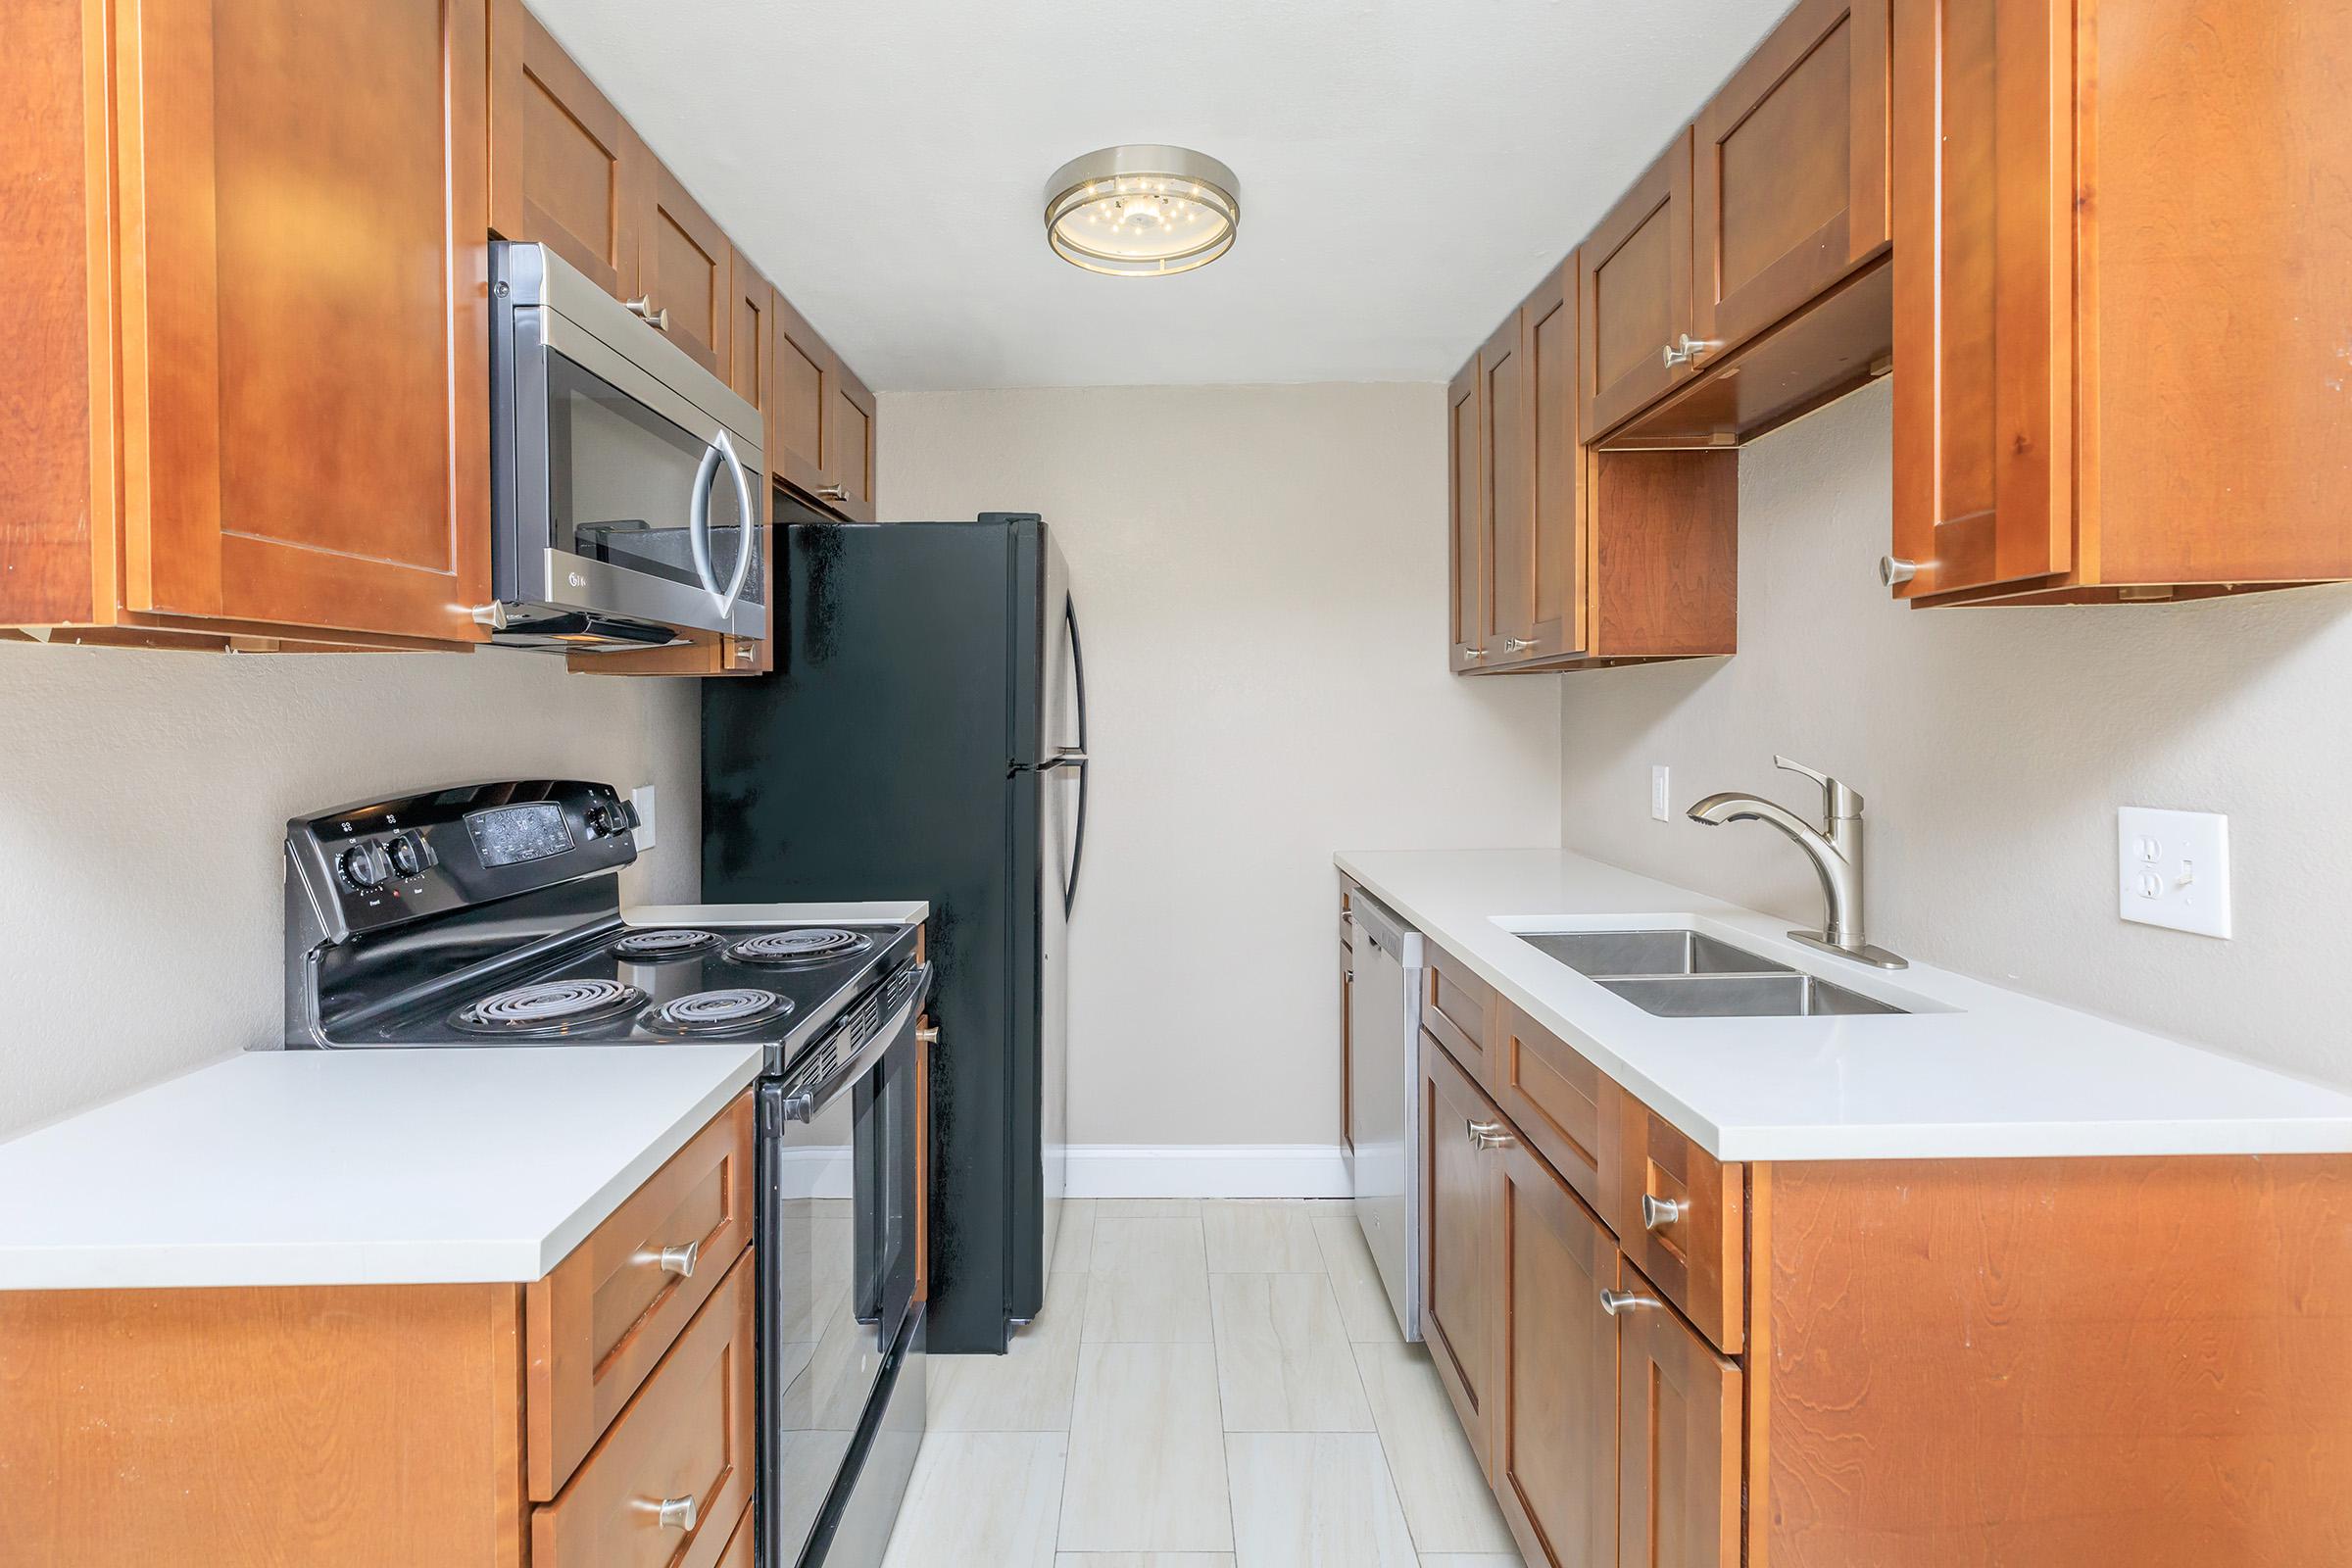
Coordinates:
354	1167
1978	1072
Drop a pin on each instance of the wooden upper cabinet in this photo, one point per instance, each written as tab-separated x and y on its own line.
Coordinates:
1460	1286
849	440
1471	553
560	171
1540	591
750	334
1634	293
1680	1464
1790	190
686	268
305	400
1555	1452
1984	452
1506	482
2119	297
798	376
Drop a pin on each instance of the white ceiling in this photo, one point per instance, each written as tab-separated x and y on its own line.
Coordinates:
1409	168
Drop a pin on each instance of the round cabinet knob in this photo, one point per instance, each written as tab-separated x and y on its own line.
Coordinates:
365	867
1895	570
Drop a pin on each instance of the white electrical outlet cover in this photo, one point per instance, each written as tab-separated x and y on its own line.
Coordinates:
641	798
2173	869
1660	809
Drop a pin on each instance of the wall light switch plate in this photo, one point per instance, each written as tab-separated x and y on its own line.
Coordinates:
641	798
1659	810
2173	869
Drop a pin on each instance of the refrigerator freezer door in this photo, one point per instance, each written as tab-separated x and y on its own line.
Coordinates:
1061	790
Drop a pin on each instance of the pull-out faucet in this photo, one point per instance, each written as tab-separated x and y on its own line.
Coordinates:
1835	850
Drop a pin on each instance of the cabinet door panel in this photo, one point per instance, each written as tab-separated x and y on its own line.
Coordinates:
1466	518
556	154
849	446
795	426
1460	1298
1633	282
309	402
1983	148
1553	620
1507	485
1677	1454
1555	1457
1791	187
687	267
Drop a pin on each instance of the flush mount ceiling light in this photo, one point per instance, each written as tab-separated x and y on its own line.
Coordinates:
1141	212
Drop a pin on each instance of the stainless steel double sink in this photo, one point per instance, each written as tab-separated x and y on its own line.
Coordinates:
1686	974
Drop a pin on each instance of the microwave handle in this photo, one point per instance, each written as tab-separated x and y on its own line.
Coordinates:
699	522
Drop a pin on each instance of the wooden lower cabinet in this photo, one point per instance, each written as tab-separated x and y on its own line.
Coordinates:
1555	1448
392	1426
1680	1453
2021	1362
1460	1300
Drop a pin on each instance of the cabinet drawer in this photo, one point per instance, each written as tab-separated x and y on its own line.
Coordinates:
1457	1007
1568	1108
685	1440
1690	1238
601	1319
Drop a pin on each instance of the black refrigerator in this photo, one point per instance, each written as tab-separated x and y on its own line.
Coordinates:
923	735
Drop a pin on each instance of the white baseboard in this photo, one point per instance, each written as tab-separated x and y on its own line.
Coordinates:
1207	1170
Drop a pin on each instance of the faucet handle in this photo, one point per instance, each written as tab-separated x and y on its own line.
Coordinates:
1838	799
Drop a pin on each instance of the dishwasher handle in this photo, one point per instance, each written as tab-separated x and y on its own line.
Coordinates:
1387	931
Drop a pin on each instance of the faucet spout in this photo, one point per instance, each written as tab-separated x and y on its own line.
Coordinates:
1834	850
1840	873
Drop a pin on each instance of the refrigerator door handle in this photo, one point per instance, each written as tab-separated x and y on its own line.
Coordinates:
1077	754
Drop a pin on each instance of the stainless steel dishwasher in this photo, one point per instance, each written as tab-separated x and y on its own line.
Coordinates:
1384	1090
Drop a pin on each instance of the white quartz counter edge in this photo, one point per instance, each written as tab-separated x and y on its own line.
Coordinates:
354	1167
1975	1071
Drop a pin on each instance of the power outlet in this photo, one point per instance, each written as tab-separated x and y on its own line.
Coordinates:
641	798
2173	869
1660	809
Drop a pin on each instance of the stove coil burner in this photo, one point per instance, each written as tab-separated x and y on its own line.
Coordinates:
810	945
548	1008
678	941
713	1011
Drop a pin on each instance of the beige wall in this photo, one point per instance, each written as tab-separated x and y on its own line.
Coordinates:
147	795
1257	568
1994	747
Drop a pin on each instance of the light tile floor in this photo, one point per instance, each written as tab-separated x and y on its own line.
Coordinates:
1213	1385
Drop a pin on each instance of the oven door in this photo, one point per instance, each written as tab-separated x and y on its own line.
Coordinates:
837	1230
627	481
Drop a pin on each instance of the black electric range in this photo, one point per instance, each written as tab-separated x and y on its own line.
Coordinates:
489	916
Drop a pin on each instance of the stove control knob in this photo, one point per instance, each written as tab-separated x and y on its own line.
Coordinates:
409	854
365	867
599	817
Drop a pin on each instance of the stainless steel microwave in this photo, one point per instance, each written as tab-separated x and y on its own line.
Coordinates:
628	484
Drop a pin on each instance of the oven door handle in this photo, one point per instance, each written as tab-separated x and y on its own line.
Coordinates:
900	1029
698	517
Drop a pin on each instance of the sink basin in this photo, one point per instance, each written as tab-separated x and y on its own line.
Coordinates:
1606	953
1680	973
1786	994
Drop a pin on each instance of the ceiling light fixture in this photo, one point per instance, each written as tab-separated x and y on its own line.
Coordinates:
1141	212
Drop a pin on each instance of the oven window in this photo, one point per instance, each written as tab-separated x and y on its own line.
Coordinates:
620	481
